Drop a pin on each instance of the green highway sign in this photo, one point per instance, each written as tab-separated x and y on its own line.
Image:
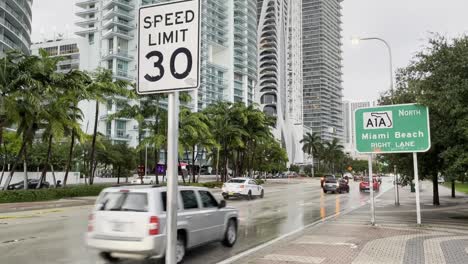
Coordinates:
392	129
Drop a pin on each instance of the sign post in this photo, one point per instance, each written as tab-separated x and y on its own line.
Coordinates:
371	188
169	62
393	129
397	195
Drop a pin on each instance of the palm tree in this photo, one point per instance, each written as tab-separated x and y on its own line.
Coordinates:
194	131
334	151
103	87
310	145
226	131
75	91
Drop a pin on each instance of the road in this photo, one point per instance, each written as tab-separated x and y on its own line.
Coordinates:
56	236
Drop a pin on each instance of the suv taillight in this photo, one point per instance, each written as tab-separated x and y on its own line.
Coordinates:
154	226
242	186
90	223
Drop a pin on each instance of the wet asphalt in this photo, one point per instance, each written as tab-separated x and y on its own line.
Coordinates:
57	236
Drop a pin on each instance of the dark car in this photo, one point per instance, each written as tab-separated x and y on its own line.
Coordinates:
335	185
325	178
32	184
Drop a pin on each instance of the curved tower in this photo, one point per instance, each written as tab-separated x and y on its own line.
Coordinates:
279	87
15	25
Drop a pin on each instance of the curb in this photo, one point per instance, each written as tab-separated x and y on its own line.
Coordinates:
251	251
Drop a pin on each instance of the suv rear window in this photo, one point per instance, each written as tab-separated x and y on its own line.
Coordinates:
330	181
236	181
124	201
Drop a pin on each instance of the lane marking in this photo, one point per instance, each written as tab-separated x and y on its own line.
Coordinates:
292	233
290	258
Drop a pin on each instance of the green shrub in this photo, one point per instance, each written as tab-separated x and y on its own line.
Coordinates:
50	194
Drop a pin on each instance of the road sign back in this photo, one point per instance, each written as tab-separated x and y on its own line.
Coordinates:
392	129
169	47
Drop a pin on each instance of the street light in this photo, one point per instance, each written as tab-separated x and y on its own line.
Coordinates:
357	40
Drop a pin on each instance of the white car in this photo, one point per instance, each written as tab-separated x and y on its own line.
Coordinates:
130	222
145	179
242	187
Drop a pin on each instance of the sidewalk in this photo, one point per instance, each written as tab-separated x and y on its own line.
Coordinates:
29	206
443	237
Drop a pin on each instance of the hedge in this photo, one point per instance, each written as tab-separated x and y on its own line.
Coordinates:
50	194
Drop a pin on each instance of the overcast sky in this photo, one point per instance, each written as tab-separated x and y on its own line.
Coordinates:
405	24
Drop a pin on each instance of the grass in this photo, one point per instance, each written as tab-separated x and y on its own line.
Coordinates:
460	187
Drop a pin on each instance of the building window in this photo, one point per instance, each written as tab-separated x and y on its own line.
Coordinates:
52	51
91	38
68	49
121	128
108	128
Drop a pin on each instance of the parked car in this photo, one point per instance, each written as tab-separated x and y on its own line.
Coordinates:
32	184
365	186
242	187
145	179
130	222
357	178
326	177
336	185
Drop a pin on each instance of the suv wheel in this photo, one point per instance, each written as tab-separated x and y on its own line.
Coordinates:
230	237
249	196
108	258
180	249
262	194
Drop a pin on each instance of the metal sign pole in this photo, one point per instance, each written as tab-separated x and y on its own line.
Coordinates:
172	176
371	188
416	179
397	198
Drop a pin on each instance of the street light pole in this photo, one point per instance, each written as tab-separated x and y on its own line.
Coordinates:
356	41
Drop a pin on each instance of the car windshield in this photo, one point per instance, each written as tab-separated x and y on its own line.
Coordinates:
124	201
236	181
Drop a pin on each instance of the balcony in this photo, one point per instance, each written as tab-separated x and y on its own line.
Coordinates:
120	137
119	33
124	4
120	23
85	23
86	31
127	15
121	55
123	75
14	33
85	3
85	13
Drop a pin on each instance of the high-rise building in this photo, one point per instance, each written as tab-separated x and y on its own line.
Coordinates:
322	75
228	50
279	89
15	25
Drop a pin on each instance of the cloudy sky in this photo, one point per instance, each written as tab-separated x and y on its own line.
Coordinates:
405	24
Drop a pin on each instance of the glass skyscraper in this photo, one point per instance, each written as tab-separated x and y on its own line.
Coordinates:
321	20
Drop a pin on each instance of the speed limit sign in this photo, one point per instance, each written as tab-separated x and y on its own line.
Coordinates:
168	47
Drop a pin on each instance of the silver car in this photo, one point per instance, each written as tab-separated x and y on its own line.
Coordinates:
130	222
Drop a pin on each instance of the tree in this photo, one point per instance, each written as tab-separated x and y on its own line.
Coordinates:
310	145
334	152
104	88
438	78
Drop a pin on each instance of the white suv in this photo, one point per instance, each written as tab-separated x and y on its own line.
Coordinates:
130	222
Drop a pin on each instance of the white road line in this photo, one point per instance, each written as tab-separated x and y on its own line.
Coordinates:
298	259
295	232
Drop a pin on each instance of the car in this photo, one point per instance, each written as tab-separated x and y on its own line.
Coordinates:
324	178
357	177
242	187
32	184
335	185
364	185
142	180
130	222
